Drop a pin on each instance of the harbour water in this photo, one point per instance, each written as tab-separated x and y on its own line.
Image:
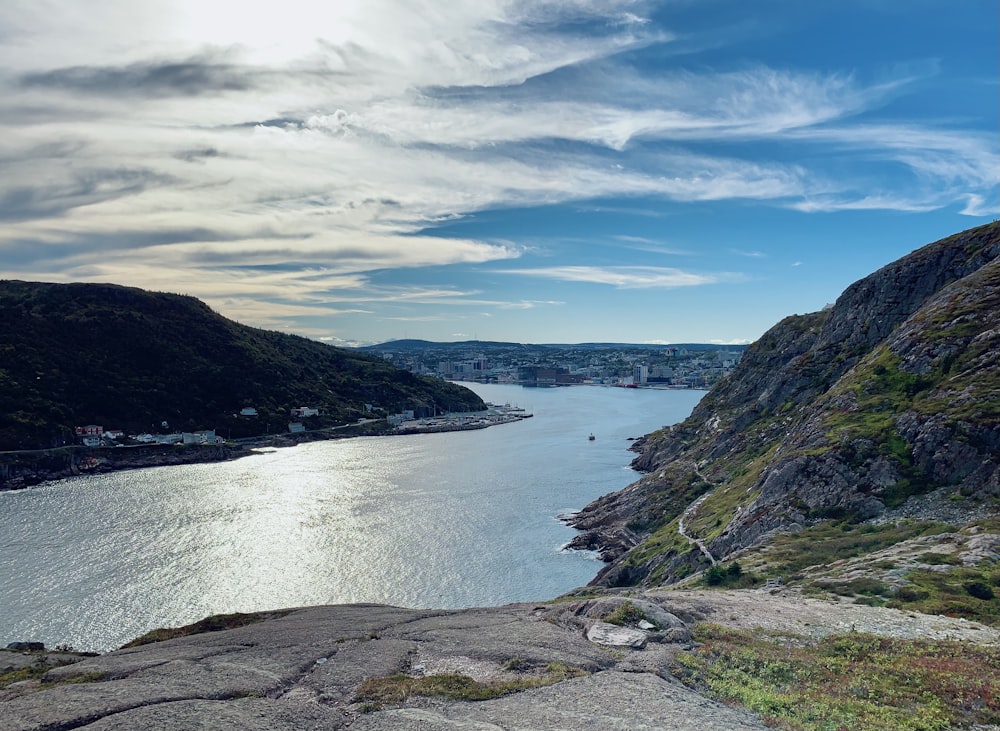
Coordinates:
431	520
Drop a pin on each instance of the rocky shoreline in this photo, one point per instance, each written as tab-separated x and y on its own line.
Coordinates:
27	469
20	470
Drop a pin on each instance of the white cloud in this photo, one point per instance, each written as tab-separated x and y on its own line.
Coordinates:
625	277
274	157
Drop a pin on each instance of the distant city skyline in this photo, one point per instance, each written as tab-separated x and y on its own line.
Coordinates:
561	172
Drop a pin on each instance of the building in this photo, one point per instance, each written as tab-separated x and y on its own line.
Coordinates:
395	419
198	437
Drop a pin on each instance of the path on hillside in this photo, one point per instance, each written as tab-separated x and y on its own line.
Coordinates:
689	511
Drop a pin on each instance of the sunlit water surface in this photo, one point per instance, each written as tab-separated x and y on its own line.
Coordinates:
435	520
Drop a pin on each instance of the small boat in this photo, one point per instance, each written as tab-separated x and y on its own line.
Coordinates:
592	437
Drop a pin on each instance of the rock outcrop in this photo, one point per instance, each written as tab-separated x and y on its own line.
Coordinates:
351	666
378	668
890	393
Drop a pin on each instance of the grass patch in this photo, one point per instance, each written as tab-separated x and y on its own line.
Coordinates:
863	587
33	672
935	558
374	693
970	593
831	541
215	623
664	541
717	511
38	671
852	681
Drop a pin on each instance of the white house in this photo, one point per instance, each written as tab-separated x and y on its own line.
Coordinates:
199	437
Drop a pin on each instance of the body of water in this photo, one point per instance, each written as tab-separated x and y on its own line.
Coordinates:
433	520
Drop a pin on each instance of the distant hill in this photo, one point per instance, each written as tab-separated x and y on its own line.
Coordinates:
413	345
866	410
74	354
486	346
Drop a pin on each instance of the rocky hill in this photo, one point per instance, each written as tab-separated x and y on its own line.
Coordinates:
889	398
75	354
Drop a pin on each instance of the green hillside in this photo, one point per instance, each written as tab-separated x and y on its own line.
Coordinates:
882	409
121	357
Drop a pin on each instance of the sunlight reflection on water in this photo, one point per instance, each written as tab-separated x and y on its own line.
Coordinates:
443	520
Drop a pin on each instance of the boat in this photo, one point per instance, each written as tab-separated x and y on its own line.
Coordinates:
591	437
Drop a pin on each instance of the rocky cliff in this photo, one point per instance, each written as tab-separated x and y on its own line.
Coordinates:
890	394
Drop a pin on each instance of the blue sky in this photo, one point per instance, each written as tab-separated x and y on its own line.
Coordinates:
551	171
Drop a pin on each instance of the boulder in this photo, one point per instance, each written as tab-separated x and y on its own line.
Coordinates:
602	633
26	646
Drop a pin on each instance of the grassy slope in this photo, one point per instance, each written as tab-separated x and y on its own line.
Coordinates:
841	403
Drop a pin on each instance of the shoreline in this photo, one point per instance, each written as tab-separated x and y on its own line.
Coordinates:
33	468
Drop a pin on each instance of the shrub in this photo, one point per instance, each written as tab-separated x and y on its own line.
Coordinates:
979	590
909	594
731	575
625	614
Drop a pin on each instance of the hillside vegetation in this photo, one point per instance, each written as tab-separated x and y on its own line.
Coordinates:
74	354
883	406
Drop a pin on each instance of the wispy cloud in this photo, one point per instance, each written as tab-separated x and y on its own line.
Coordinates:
641	243
183	78
626	277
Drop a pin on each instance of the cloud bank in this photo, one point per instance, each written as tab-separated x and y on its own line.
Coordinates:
275	159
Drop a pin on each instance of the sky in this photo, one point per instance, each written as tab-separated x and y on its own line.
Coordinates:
544	171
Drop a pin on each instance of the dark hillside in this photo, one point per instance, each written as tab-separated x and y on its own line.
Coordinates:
121	357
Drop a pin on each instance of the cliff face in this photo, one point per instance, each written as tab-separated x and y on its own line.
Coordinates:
892	392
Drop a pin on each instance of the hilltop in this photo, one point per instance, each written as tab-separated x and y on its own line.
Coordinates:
491	346
872	424
122	357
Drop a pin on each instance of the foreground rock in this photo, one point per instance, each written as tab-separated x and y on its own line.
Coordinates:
313	668
305	670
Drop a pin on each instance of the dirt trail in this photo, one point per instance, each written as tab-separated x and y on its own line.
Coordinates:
688	512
